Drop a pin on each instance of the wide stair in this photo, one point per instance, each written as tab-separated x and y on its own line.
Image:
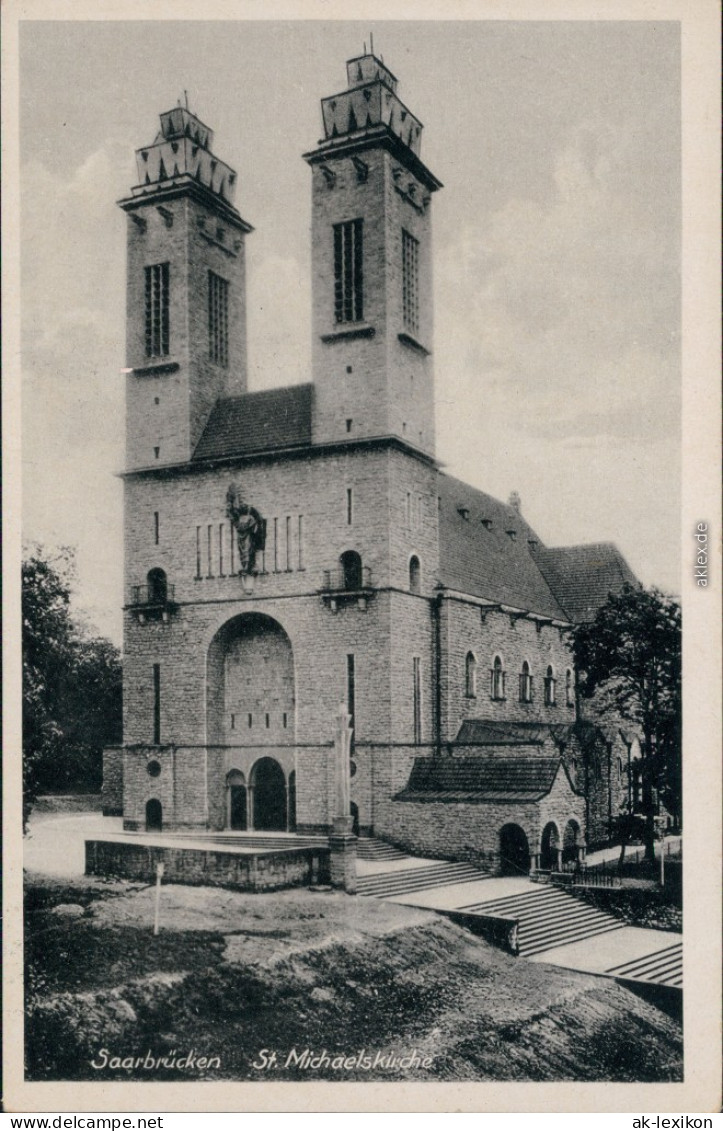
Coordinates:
662	967
548	918
384	885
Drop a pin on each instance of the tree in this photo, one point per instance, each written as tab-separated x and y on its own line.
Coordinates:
71	684
629	658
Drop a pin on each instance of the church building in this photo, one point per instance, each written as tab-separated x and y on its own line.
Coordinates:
298	548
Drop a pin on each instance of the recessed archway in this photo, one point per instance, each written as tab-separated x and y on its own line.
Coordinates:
514	851
154	816
549	846
570	842
268	790
250	693
237	801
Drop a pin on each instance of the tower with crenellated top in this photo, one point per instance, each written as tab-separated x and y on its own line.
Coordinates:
371	265
186	292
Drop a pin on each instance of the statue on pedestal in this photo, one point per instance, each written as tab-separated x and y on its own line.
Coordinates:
250	529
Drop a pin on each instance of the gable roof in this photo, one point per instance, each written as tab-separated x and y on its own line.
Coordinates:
257	422
487	561
582	577
480	778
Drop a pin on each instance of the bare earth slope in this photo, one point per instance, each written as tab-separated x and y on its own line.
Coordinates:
249	980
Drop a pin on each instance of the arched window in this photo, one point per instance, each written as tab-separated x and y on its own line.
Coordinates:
415	574
157	587
497	679
351	567
550	687
569	689
470	668
525	684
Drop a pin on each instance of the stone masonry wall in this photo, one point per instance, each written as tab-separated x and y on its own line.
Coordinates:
464	630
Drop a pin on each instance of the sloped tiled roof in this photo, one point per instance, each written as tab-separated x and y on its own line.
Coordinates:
486	732
582	577
258	422
485	561
480	778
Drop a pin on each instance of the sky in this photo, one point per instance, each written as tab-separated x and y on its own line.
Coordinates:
556	255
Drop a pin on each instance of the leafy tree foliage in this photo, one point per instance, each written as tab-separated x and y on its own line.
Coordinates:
629	657
71	684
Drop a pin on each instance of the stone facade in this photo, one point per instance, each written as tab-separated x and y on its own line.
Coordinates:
232	677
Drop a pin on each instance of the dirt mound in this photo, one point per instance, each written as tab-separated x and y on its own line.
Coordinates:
301	986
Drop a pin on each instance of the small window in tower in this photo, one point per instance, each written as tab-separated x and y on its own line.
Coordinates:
415	575
410	282
417	698
233	722
268	721
156	452
348	272
349	424
349	506
218	319
251	720
471	676
156	527
157	310
285	720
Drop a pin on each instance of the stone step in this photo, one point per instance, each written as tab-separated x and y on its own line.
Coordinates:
663	966
526	950
417	879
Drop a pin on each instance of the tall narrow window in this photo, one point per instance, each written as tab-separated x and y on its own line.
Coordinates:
198	552
417	698
349	506
350	687
550	687
276	545
288	543
471	676
220	550
217	319
157	310
156	704
348	272
209	552
497	679
410	282
569	689
301	542
525	684
156	527
232	549
415	574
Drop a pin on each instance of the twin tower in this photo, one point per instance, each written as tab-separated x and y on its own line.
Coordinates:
371	271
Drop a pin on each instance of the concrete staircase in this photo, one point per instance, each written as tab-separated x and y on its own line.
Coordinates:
384	885
663	967
548	918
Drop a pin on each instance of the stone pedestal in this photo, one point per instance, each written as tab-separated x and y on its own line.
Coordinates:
342	856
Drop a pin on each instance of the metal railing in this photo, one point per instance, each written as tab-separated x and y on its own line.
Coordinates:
350	580
153	595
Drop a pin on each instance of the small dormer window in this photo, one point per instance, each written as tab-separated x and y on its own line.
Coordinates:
464	513
512	535
487	523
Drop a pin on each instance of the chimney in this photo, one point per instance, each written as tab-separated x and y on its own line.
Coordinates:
515	501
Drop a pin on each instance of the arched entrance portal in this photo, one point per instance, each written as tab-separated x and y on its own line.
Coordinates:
570	842
237	801
268	786
549	846
154	815
514	851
